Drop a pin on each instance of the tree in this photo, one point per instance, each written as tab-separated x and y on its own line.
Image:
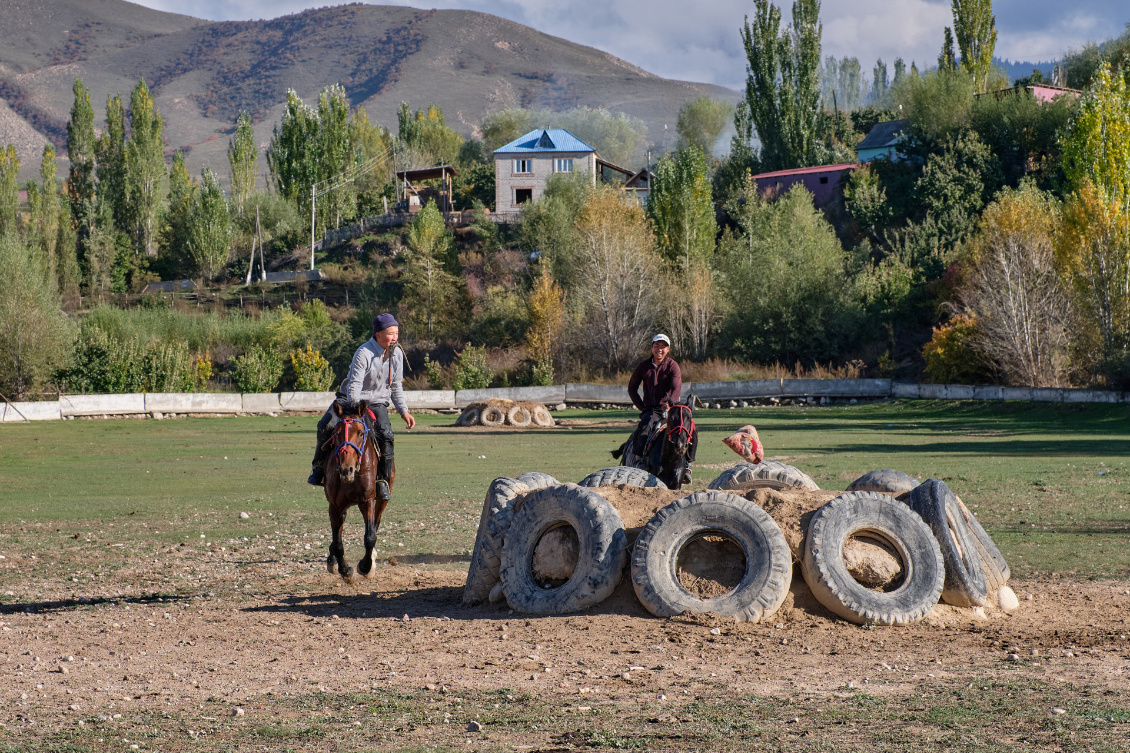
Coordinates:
145	169
701	121
1096	144
546	305
1011	289
210	228
43	202
956	184
502	127
241	159
9	190
549	225
34	334
681	208
617	279
429	289
880	83
111	159
426	132
618	137
182	199
975	27
947	59
783	82
842	84
785	277
81	146
291	157
333	155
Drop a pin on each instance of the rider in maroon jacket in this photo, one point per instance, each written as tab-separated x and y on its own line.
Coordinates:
662	383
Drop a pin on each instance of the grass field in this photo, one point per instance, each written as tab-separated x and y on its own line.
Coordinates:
1049	482
122	544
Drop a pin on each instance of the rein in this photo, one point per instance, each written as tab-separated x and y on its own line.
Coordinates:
343	427
683	426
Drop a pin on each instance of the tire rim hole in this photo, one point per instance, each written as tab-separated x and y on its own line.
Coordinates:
710	565
555	556
874	562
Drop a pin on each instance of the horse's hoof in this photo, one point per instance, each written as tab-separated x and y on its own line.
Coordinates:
330	565
365	567
346	572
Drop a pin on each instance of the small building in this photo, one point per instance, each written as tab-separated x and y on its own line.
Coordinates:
523	166
824	182
415	196
1042	92
882	141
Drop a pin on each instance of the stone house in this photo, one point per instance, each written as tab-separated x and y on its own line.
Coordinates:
523	166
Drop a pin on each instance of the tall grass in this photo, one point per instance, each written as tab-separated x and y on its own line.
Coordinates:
202	332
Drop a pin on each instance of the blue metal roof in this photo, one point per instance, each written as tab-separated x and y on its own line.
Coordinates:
545	140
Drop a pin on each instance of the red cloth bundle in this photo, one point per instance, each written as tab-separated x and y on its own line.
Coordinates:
745	443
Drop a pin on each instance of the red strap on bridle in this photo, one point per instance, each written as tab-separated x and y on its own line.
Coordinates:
675	431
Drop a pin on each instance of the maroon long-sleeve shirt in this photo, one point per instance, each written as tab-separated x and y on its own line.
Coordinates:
662	382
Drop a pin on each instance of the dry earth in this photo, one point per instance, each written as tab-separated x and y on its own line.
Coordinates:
270	625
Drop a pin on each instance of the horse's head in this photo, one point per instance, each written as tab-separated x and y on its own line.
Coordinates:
349	439
680	427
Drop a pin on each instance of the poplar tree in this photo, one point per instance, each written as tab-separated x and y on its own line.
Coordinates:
144	169
241	158
333	155
783	82
290	156
975	27
429	289
879	81
80	180
947	60
182	190
681	208
210	230
46	219
111	159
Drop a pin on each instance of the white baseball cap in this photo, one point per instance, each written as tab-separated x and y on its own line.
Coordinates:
661	338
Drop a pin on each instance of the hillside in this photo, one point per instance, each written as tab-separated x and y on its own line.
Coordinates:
204	73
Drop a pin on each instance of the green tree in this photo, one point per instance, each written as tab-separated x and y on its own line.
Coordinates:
549	225
81	144
957	184
502	127
681	208
783	82
291	156
975	27
880	83
111	160
241	160
1096	144
145	170
701	121
210	229
371	144
429	289
45	214
34	334
785	275
333	156
947	59
182	200
9	190
426	133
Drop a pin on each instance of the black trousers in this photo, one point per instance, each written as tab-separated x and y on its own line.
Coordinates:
381	429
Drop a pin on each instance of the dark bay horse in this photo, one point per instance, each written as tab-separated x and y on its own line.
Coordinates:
665	454
351	479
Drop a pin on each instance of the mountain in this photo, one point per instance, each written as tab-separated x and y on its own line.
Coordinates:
204	73
1022	68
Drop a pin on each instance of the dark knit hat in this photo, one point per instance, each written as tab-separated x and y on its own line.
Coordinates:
384	321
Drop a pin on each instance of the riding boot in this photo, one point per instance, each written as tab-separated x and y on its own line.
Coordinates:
385	468
321	454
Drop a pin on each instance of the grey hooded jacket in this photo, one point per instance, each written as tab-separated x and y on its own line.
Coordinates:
369	377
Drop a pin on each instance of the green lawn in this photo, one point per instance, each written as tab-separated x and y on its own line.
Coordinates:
1048	481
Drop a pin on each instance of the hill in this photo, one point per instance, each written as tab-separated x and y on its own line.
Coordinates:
204	73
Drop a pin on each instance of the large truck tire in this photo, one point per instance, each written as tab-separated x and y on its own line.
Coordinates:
965	578
768	474
886	481
482	574
622	475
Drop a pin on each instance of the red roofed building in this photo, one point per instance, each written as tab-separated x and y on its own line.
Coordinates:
824	182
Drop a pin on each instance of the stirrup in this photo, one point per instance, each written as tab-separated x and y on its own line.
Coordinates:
383	493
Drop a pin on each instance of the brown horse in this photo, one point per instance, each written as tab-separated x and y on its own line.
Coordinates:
351	479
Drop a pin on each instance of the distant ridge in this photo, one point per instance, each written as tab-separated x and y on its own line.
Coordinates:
204	73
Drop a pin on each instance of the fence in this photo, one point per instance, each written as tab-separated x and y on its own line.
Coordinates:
161	404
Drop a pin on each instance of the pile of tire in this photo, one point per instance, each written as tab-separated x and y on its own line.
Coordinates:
523	516
944	552
519	415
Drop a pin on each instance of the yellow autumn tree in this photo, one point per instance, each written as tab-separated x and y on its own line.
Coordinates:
546	306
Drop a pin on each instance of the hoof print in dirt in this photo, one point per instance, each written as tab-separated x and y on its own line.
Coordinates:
520	414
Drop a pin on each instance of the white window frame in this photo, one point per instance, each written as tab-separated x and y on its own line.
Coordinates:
563	165
519	164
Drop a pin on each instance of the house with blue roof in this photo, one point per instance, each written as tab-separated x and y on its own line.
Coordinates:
523	166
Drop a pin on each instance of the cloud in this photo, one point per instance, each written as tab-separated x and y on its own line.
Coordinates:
701	42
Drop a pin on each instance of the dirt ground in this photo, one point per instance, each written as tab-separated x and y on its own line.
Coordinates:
271	626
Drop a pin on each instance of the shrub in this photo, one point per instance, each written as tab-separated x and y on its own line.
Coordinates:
201	370
950	355
312	372
541	375
258	370
105	364
434	372
471	370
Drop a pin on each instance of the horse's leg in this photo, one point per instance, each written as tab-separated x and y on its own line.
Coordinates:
369	512
391	478
337	547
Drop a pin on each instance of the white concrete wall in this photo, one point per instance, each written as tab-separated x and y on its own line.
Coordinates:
47	410
306	401
102	405
548	395
193	402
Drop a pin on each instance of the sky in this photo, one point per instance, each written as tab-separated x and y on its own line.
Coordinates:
699	41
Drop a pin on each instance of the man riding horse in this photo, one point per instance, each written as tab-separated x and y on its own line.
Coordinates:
662	383
375	376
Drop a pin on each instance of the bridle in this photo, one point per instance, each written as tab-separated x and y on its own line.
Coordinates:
343	429
684	425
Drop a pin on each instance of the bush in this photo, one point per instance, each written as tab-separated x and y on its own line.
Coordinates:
471	370
201	370
950	355
434	372
105	364
312	372
258	370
